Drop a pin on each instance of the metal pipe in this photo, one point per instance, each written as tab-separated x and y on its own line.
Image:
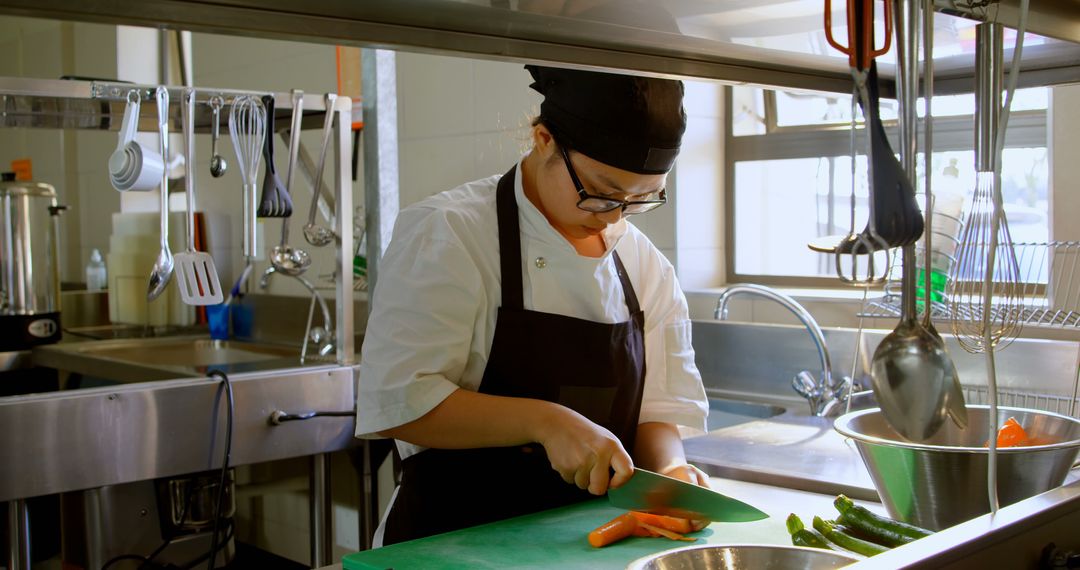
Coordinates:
343	227
905	22
321	511
380	154
989	77
18	535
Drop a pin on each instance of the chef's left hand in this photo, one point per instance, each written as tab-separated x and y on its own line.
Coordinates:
690	474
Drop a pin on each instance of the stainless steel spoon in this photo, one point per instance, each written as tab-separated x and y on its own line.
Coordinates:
911	373
163	266
954	397
218	166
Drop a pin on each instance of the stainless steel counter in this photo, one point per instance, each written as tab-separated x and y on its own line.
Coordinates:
164	358
80	439
789	450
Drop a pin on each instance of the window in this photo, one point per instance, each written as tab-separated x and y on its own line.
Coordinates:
790	183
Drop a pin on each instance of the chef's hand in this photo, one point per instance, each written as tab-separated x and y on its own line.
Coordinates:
584	453
690	474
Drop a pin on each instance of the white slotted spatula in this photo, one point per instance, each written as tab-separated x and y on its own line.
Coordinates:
196	275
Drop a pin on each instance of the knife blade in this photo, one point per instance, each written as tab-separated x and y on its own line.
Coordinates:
648	491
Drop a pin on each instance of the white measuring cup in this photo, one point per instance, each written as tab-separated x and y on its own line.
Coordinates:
134	166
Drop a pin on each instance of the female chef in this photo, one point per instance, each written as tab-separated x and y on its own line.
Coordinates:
527	345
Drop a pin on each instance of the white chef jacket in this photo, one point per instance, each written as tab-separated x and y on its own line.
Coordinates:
437	298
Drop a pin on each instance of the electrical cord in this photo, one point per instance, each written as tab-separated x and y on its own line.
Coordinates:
224	466
147	561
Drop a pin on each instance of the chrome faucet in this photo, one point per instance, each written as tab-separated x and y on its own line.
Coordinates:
322	337
822	393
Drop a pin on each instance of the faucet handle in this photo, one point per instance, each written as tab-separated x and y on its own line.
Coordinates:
805	384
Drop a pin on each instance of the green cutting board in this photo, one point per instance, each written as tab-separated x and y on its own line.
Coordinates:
554	538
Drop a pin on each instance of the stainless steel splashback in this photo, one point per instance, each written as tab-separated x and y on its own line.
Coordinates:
760	359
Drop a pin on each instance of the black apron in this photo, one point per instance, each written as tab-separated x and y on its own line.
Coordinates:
596	369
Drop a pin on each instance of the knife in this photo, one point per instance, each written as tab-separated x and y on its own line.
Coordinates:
648	491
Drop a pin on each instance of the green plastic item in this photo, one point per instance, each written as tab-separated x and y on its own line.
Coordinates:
550	539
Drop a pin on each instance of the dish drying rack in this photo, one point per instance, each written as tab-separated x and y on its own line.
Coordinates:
1050	283
1050	273
1064	405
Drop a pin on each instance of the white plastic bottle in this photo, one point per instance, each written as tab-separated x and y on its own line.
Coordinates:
96	276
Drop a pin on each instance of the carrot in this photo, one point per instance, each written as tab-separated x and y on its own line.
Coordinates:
1011	434
665	532
681	526
643	532
614	530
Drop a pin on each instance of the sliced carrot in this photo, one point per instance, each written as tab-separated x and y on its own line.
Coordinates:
681	526
1011	434
665	532
614	530
644	532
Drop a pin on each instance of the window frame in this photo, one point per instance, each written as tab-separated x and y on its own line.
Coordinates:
951	133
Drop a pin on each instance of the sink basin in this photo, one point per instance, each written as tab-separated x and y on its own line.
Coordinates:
140	360
725	413
196	354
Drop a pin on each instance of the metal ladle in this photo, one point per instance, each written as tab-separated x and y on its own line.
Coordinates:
283	257
319	236
910	371
163	266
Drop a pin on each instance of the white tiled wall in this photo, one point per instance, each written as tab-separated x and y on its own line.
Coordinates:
73	162
459	120
699	203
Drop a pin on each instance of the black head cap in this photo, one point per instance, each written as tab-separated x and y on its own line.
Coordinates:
629	122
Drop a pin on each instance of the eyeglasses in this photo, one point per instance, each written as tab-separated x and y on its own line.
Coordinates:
600	204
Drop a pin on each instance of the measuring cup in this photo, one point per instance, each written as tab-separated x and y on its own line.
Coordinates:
134	166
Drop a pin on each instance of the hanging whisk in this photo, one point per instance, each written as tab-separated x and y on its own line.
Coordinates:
986	294
985	244
247	128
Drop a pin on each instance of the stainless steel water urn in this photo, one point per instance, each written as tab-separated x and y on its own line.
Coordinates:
29	264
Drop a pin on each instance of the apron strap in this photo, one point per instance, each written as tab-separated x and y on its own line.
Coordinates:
509	243
627	287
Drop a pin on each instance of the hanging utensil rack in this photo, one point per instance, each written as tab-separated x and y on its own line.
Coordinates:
99	105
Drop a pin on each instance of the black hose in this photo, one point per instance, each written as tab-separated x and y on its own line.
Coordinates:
224	464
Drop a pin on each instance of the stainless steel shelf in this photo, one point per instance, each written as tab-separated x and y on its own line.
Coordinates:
711	49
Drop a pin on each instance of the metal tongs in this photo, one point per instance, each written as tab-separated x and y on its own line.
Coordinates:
861	53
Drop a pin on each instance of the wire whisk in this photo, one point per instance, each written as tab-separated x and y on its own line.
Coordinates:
986	243
247	128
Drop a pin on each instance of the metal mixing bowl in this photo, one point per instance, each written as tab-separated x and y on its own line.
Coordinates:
942	482
742	557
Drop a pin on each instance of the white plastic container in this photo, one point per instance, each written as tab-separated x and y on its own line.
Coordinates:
133	250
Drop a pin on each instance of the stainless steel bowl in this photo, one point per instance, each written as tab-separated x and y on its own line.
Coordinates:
743	557
942	482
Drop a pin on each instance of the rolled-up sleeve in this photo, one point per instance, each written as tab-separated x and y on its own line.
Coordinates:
420	331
